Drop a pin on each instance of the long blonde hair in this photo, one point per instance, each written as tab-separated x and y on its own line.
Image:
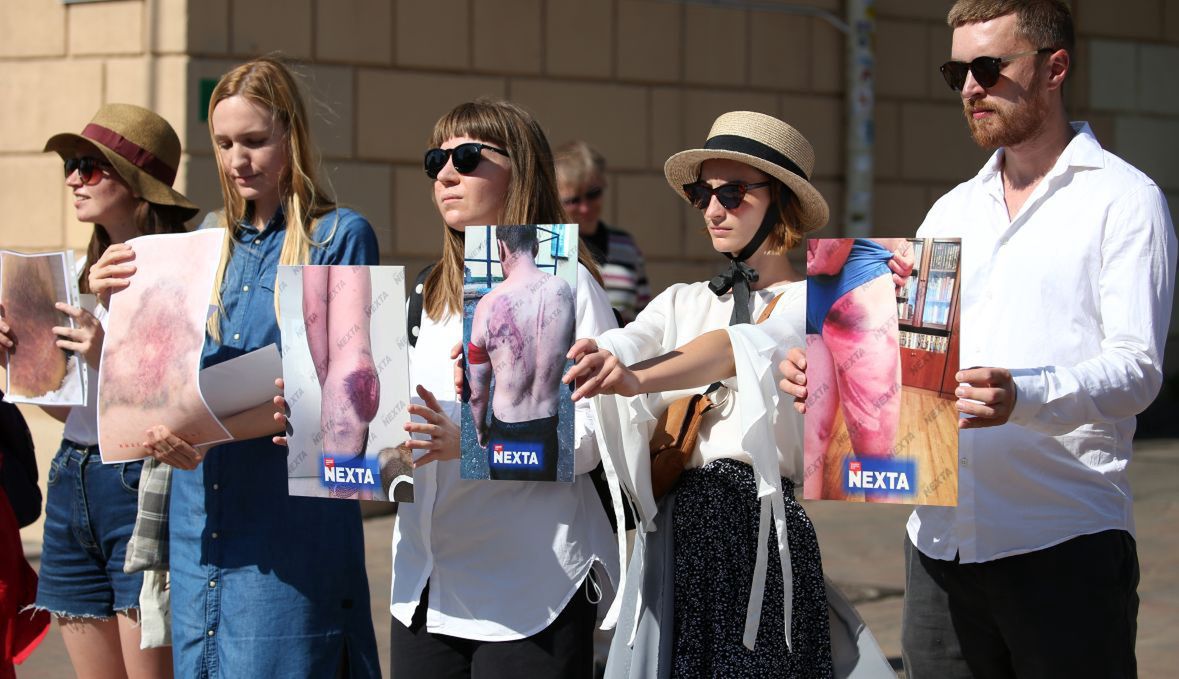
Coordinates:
532	190
268	82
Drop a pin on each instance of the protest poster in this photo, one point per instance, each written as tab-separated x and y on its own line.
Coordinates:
882	350
519	307
155	331
346	374
39	372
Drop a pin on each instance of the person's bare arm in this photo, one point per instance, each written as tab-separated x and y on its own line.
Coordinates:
315	317
479	368
260	420
704	360
902	261
827	256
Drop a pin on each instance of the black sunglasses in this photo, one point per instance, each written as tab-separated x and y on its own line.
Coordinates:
86	166
729	195
466	158
985	69
589	196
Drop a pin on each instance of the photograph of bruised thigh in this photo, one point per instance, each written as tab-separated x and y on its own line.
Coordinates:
854	366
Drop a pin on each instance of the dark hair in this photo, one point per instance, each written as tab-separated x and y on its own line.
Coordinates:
532	196
150	218
518	237
1043	23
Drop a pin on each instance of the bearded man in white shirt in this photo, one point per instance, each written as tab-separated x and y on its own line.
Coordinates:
1068	269
1068	272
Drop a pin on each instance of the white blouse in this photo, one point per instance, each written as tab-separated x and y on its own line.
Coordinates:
503	558
81	425
753	423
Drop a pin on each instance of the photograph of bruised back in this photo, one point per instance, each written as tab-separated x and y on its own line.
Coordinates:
151	356
519	326
881	336
345	366
39	371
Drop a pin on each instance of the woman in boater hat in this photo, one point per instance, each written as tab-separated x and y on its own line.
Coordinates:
709	580
120	171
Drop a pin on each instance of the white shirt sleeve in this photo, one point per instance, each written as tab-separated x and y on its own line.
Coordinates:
1136	285
594	316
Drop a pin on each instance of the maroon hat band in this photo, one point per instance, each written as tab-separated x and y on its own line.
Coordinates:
132	152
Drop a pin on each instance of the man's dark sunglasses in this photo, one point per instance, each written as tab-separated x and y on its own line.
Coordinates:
985	69
589	196
729	195
466	158
86	166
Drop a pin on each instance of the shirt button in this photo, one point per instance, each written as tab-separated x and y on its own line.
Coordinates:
209	633
257	241
216	486
245	288
237	335
216	535
212	584
963	460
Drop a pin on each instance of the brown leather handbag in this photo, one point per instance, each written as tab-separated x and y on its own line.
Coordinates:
676	430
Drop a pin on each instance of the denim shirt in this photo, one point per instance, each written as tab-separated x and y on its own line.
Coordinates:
265	584
247	292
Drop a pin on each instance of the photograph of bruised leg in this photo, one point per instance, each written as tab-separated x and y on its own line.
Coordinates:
854	354
336	300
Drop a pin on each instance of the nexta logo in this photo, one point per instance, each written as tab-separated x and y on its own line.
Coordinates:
517	455
867	474
356	472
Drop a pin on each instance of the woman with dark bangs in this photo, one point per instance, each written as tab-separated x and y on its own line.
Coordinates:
492	578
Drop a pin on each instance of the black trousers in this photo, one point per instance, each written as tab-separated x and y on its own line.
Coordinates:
563	650
1070	610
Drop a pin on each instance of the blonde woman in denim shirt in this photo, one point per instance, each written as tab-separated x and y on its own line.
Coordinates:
263	583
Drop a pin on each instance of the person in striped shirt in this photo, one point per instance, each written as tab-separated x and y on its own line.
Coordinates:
581	180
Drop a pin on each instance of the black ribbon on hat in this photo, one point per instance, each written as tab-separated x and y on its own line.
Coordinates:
740	275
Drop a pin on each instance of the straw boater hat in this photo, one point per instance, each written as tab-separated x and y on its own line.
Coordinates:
763	142
142	147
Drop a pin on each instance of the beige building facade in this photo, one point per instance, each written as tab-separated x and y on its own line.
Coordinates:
638	79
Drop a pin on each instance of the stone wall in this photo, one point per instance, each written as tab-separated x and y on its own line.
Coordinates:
639	79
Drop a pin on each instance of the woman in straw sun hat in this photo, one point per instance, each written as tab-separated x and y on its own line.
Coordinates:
709	579
120	171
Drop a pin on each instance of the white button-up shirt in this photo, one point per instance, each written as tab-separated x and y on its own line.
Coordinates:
503	558
1073	295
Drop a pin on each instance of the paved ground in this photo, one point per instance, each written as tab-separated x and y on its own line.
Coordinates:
861	551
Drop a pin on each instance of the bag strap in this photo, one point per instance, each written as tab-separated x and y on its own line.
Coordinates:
765	313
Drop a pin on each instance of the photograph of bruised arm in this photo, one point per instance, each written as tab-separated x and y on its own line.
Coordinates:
336	301
520	333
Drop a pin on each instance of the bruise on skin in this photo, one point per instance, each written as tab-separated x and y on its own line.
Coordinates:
39	366
509	343
364	392
154	359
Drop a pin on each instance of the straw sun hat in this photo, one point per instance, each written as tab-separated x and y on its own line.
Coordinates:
142	147
765	143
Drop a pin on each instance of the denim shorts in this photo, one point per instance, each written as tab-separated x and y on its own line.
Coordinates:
89	514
